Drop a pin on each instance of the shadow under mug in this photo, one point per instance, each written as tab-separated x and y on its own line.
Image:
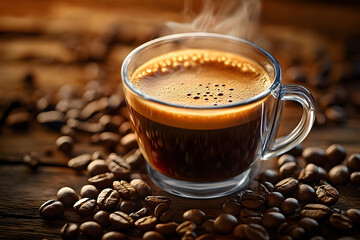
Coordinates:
223	157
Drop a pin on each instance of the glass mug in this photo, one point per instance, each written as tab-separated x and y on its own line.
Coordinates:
211	151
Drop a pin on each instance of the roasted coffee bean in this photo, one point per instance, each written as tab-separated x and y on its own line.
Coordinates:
286	158
114	236
320	238
353	162
296	151
129	141
355	178
102	181
339	175
273	209
163	212
239	231
327	195
87	127
274	199
232	207
64	144
353	214
288	169
90	110
167	229
142	188
31	159
111	123
311	226
97	167
249	199
153	201
91	229
195	215
322	173
124	188
283	228
189	236
109	139
206	236
19	120
264	189
335	154
52	209
272	220
314	155
65	130
69	231
298	233
97	155
102	218
340	221
142	212
256	232
225	223
250	216
134	158
121	220
315	211
208	225
51	119
269	186
108	199
289	205
118	166
305	193
146	223
80	162
336	114
152	235
187	226
67	196
269	176
309	174
286	186
85	206
125	128
127	206
89	191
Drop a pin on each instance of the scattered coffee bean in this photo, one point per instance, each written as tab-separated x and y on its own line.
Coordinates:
109	139
134	158
249	199
195	215
298	233
289	205
69	231
353	162
152	235
97	167
118	166
309	174
189	236
125	128
296	151
335	154
153	201
64	144
336	114
250	216
264	188
102	218
32	159
51	209
121	220
114	236
91	229
288	169
239	231
127	206
286	186
142	188
167	229
163	212
339	175
129	141
208	225
327	195
108	199
187	226
355	178
315	211
273	209
340	221
232	207
269	176
142	212
124	188
305	193
67	196
314	155
311	226
256	232
102	181
286	158
19	120
89	191
225	223
353	214
80	162
51	119
206	236
146	223
272	220
85	206
319	238
274	199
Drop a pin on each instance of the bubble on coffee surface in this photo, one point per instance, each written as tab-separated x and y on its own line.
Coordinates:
201	78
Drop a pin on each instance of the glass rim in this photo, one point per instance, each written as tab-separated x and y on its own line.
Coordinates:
133	53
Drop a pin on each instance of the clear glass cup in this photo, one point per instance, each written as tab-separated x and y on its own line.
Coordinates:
223	158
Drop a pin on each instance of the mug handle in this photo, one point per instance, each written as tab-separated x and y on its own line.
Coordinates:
281	145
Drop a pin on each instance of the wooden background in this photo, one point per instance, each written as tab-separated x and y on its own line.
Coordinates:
30	41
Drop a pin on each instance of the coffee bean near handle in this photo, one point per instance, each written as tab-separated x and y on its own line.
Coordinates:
108	199
70	231
85	206
327	194
153	201
269	175
341	222
167	229
309	174
287	186
118	166
314	155
288	169
121	220
52	209
187	226
286	158
125	189
145	223
225	223
163	212
195	215
315	211
91	229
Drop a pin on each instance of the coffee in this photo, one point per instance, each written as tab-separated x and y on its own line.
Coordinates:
197	143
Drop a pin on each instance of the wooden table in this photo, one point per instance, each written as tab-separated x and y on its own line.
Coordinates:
23	189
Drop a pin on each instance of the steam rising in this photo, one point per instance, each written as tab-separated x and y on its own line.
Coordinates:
238	18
